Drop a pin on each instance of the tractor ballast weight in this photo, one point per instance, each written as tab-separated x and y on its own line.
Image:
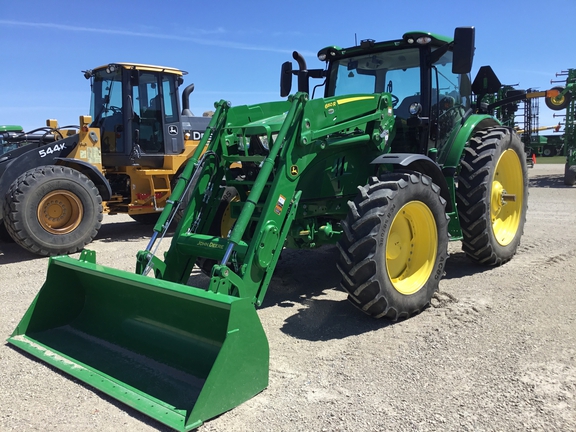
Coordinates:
388	182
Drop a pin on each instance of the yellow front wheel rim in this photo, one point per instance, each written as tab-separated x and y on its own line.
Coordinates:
411	247
506	197
227	222
60	212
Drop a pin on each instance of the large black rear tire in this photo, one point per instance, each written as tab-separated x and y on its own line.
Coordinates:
53	210
492	195
394	247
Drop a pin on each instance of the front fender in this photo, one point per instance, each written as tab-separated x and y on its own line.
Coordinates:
422	164
92	173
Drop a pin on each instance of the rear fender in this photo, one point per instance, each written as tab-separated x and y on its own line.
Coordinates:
451	154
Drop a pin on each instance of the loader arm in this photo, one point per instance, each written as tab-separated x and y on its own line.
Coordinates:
247	257
189	242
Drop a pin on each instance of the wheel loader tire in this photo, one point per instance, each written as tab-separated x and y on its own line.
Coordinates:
492	195
569	175
146	218
53	210
394	245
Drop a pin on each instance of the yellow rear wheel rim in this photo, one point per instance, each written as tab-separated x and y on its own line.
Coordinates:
411	247
60	212
506	197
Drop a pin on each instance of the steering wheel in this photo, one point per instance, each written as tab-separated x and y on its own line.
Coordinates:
395	100
115	109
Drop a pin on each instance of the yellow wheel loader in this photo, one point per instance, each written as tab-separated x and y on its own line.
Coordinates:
124	158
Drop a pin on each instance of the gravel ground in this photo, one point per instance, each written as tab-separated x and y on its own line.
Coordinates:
496	351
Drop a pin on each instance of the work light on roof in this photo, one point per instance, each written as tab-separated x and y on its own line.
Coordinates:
423	40
327	54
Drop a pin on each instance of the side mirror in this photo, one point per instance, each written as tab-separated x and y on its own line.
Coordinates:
286	79
463	50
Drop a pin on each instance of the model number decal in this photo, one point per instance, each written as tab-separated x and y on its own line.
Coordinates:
50	150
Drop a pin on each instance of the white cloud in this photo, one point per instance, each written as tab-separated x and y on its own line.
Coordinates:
200	41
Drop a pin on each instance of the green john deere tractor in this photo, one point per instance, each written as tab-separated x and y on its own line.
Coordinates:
389	165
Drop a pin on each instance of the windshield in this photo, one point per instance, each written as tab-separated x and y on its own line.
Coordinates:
399	73
106	93
396	72
392	71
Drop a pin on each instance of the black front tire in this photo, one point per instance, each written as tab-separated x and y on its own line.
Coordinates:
394	247
221	225
492	195
53	210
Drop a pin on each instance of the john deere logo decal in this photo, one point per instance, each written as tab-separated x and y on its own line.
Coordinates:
294	170
173	130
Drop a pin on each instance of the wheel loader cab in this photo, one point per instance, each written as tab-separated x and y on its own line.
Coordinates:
137	110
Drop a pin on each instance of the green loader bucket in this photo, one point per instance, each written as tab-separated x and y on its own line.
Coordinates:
179	354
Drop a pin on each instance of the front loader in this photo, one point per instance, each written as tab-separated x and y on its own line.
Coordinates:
389	165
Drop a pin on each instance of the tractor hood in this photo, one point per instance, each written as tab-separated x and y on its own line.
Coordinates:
269	124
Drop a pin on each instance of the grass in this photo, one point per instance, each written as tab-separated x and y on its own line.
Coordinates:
551	160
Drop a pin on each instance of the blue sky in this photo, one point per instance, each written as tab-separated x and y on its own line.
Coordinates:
233	50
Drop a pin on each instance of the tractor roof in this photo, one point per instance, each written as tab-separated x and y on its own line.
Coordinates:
369	45
11	128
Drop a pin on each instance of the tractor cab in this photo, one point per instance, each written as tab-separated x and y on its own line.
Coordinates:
425	76
136	108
